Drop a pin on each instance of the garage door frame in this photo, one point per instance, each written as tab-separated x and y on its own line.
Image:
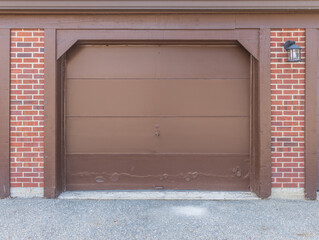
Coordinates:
4	113
255	41
311	100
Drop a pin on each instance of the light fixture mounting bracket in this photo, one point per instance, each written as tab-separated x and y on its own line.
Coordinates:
288	44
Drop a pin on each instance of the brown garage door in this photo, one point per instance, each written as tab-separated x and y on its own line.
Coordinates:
157	117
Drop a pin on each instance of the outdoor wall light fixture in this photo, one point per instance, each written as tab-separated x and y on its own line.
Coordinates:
294	51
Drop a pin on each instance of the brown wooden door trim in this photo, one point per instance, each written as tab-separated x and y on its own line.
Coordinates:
263	170
4	113
175	21
50	115
251	45
310	114
247	37
64	39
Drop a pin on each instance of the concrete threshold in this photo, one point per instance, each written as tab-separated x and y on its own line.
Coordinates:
157	195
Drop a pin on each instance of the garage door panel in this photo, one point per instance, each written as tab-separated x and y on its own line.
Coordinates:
112	62
151	97
204	61
177	135
158	62
160	171
105	135
204	135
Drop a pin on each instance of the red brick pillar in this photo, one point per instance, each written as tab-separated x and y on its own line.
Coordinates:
287	104
26	116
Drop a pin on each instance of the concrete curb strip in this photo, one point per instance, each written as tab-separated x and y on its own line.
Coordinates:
288	193
21	192
157	195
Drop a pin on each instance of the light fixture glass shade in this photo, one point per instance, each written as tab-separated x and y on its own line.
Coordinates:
294	55
294	51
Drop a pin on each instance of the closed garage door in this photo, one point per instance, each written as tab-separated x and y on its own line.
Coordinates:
157	117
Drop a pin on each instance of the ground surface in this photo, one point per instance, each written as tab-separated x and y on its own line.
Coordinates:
131	219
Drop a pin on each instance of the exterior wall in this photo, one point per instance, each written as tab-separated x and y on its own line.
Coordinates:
26	115
27	102
287	96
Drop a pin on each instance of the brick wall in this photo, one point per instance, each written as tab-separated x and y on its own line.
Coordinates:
287	96
27	83
27	98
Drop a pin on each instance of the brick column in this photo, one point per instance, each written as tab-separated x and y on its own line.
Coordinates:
26	116
287	96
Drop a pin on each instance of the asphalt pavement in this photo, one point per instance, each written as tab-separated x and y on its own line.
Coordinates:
31	219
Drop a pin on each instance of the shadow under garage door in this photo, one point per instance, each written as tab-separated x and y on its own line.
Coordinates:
157	117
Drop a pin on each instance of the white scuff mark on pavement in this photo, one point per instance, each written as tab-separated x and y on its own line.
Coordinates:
190	211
